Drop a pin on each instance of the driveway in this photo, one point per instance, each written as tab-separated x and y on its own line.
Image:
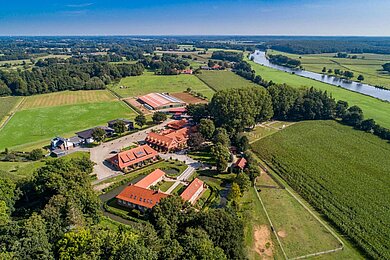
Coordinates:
100	153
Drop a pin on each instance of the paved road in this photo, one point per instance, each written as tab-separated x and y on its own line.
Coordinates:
100	153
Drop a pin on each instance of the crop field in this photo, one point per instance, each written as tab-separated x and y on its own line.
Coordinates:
6	105
148	82
220	80
342	172
372	107
67	98
35	125
370	66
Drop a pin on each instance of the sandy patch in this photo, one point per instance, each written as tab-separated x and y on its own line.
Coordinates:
263	243
100	187
282	233
188	98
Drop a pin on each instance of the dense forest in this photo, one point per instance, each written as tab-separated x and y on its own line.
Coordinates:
64	76
227	56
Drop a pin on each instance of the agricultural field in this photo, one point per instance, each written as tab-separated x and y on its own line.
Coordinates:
67	98
326	163
370	66
148	82
220	80
40	124
372	107
6	106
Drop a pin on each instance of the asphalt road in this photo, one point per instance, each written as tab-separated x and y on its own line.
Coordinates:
102	152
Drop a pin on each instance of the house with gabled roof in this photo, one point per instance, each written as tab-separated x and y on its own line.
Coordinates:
134	158
151	179
169	140
193	191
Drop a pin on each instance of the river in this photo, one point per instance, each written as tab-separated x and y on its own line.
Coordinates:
383	94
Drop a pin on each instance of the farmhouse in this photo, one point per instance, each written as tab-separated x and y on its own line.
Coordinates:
139	198
129	125
169	140
151	179
60	143
133	158
187	71
240	164
178	124
86	135
158	101
193	191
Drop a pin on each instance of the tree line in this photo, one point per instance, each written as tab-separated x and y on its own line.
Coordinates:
284	61
57	215
59	76
227	56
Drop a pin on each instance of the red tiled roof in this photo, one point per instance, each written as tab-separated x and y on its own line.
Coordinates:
141	196
241	163
168	138
177	110
177	124
150	179
195	185
133	156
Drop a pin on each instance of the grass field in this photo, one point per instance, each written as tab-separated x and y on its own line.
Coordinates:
21	170
370	67
373	108
148	82
67	98
342	172
6	105
35	125
220	80
166	185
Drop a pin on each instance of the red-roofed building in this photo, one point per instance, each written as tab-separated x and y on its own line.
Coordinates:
193	191
158	101
169	140
177	124
188	71
151	179
139	198
134	158
240	163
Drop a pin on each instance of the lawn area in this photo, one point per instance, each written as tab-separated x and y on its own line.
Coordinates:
370	67
260	242
220	80
148	82
39	124
342	172
166	185
67	98
259	132
372	107
20	170
6	105
300	233
179	189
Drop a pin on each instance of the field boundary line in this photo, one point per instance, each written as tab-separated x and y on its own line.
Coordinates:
207	84
270	222
11	114
333	233
122	100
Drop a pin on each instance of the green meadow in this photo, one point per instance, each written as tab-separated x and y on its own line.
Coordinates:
6	105
368	65
372	107
39	124
223	79
342	172
148	82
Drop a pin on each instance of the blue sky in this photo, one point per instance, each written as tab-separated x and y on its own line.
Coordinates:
218	17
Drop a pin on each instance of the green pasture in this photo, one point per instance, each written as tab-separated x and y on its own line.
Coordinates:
39	124
220	80
6	105
370	67
148	82
340	171
372	107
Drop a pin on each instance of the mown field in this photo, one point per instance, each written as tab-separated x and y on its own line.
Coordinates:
220	80
67	98
148	82
370	66
6	105
372	107
34	125
342	172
